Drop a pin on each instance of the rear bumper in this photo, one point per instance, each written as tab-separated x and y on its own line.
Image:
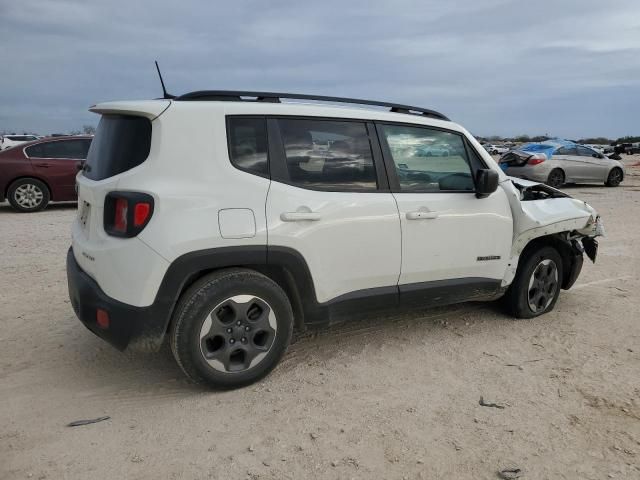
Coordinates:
136	328
535	173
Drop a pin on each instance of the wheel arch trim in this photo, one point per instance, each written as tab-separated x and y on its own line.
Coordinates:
285	266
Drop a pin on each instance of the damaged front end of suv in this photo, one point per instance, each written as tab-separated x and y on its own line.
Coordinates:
545	215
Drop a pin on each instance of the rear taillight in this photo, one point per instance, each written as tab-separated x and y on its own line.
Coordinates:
536	159
127	213
120	215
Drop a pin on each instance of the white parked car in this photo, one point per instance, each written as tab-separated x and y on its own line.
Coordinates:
8	141
226	238
495	149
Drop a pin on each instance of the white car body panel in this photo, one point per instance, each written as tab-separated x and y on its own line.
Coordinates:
353	245
448	243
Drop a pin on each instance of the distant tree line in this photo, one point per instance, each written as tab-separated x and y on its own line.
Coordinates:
86	130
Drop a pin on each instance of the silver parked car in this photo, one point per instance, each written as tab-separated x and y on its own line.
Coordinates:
558	163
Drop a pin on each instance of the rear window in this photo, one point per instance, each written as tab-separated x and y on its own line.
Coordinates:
121	142
248	148
64	149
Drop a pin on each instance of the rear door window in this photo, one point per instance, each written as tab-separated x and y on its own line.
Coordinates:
121	143
566	151
328	155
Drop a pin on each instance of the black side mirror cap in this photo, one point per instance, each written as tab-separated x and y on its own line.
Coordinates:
486	182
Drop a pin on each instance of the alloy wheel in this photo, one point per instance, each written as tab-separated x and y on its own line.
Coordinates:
28	195
615	177
542	285
238	333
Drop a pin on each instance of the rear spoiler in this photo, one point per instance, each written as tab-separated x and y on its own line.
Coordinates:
150	109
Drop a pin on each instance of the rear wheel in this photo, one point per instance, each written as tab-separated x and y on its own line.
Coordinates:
615	178
231	328
28	195
537	283
556	178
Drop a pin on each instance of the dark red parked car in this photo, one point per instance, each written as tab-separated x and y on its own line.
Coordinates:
35	173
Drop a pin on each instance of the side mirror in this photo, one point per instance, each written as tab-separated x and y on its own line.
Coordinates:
598	155
486	182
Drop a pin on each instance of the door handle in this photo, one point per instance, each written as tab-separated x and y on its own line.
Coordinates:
300	216
421	215
43	165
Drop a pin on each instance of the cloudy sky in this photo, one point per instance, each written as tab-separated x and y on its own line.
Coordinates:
568	68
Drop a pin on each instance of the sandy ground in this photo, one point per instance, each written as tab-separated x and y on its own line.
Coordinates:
392	398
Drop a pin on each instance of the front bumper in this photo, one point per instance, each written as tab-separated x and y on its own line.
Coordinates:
137	328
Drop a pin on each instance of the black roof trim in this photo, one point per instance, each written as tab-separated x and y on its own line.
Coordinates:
239	96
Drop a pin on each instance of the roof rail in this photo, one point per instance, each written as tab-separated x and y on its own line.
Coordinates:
239	96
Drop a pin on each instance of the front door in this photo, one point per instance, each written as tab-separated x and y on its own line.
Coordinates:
593	167
329	201
450	238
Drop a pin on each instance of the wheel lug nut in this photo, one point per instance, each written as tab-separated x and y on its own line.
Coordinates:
244	340
232	341
229	330
246	329
238	323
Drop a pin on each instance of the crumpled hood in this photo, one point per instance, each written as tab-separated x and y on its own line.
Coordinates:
548	209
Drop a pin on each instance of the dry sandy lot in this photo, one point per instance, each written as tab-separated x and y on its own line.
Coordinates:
394	397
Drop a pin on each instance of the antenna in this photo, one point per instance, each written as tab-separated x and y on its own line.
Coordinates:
166	95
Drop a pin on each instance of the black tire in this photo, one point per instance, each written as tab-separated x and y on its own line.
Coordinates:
556	178
214	294
28	195
615	177
522	294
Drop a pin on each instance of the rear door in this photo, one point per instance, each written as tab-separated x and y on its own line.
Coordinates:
567	159
58	162
450	239
329	201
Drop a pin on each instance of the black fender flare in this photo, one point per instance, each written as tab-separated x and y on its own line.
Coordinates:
285	265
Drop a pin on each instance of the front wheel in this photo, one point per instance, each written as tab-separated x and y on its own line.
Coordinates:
615	178
231	328
28	195
537	283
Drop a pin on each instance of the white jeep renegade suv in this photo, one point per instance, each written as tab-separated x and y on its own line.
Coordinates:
225	219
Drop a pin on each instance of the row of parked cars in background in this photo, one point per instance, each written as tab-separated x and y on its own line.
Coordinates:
36	170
